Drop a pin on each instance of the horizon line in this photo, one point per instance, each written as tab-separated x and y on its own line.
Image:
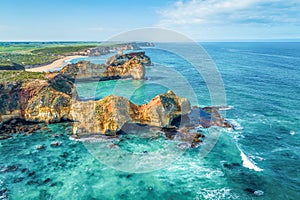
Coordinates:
205	40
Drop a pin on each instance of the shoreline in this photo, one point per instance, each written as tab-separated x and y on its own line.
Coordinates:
54	65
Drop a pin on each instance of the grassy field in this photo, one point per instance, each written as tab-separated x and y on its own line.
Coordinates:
25	59
19	75
16	55
35	53
61	50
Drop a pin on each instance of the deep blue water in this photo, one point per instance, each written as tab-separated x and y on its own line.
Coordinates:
262	84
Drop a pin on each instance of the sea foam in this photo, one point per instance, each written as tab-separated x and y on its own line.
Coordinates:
248	163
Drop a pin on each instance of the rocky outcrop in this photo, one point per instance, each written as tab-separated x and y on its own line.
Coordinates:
18	125
9	100
108	115
166	113
106	48
184	134
45	104
120	66
205	117
162	109
132	68
84	71
120	58
26	104
46	100
29	99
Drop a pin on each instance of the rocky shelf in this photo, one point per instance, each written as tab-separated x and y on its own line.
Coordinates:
129	65
25	105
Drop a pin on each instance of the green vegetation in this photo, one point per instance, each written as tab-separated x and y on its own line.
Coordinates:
16	48
28	47
18	75
16	55
34	53
25	59
62	50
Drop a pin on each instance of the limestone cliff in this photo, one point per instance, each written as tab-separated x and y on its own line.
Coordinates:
37	100
28	98
55	99
120	66
105	49
120	58
9	100
108	48
108	115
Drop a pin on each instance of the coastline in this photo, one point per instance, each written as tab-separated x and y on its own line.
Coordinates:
54	65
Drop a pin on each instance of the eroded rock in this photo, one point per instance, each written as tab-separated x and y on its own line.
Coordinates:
108	115
119	66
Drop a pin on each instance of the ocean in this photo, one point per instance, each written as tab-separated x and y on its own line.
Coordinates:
259	159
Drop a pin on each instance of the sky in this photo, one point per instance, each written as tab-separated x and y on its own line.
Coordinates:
200	20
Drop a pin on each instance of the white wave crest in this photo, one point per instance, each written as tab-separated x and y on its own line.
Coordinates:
237	126
248	163
292	132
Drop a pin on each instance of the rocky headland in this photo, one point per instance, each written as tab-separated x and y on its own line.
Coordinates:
106	48
28	103
166	113
131	65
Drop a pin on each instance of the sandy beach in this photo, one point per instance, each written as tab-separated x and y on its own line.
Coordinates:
54	65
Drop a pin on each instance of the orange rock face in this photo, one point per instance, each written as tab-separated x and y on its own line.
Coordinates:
55	99
132	68
38	100
119	66
109	114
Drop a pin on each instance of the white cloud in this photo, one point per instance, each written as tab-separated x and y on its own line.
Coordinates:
228	11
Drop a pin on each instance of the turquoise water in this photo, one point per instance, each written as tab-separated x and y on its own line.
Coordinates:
262	83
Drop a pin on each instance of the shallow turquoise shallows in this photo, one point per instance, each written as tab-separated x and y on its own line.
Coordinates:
260	159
